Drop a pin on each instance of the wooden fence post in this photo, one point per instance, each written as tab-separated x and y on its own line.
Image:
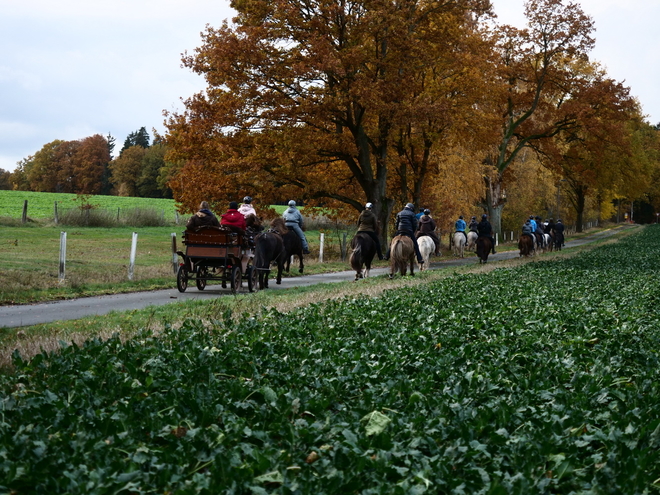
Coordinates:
175	259
55	215
24	217
343	246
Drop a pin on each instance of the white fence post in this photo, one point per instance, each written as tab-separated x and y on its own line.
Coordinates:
496	240
131	264
62	271
321	247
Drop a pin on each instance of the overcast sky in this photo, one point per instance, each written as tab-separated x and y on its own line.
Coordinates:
73	68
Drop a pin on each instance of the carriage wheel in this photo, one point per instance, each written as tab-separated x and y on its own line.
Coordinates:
252	279
201	282
236	279
182	278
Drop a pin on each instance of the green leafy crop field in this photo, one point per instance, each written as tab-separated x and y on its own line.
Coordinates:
538	379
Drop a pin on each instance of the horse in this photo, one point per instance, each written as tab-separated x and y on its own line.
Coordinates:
526	245
559	240
426	247
472	241
364	250
484	245
292	243
402	254
268	248
458	244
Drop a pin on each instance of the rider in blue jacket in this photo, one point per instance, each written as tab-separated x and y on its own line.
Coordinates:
460	226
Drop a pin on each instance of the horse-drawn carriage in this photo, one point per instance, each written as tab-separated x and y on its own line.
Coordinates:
216	254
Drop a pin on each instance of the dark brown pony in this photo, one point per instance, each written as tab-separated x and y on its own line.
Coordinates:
484	245
364	250
402	254
292	243
526	245
269	248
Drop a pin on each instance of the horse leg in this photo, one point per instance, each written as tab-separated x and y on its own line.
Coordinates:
302	265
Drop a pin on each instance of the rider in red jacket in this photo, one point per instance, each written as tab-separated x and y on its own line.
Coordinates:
233	217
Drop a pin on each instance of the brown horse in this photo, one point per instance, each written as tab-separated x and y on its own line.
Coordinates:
526	245
292	243
364	250
402	254
484	245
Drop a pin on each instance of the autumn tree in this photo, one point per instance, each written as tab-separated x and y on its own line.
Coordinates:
534	85
125	171
5	179
306	98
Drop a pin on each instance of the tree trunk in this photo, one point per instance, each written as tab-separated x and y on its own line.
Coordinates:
495	202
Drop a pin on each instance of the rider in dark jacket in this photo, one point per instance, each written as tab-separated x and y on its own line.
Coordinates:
484	229
559	232
406	224
427	227
368	223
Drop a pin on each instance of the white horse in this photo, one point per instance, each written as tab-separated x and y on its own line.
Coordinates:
472	241
426	247
458	244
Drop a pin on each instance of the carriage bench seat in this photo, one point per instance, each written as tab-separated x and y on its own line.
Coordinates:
213	236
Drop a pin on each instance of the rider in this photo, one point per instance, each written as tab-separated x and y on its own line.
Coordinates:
559	231
247	208
203	217
527	228
406	224
484	229
368	223
233	219
473	224
550	226
427	227
460	227
419	215
294	220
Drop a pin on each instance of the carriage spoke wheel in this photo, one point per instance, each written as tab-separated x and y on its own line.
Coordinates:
201	282
182	278
236	279
252	279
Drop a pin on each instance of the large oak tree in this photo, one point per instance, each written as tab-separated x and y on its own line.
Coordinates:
308	97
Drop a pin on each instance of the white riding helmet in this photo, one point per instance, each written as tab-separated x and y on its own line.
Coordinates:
292	203
369	206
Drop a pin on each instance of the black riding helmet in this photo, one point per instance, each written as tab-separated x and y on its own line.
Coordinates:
247	200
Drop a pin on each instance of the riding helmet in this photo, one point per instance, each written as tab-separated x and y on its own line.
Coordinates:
292	203
427	211
484	216
369	206
410	206
247	200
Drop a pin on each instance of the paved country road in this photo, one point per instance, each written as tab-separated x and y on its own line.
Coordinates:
34	314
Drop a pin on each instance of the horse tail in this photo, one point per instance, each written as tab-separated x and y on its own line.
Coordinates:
356	257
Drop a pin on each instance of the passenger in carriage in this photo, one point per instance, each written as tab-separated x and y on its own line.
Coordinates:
246	208
203	217
233	219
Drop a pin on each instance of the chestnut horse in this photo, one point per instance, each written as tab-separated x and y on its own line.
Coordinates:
402	254
484	245
526	245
